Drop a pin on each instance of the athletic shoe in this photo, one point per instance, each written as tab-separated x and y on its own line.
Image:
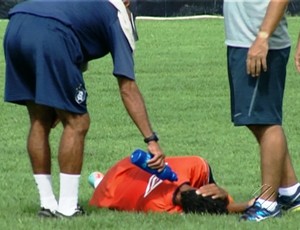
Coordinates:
46	213
78	212
290	203
95	178
257	213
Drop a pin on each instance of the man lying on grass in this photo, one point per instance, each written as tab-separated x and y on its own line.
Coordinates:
126	187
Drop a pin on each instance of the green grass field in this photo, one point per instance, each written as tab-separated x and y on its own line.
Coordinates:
181	70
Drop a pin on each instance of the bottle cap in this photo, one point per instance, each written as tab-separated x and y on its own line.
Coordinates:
140	157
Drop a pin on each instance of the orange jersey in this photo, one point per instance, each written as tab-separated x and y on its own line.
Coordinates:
127	187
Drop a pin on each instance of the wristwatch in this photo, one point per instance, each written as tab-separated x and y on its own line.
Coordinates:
153	137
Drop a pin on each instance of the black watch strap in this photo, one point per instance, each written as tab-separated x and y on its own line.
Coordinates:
153	137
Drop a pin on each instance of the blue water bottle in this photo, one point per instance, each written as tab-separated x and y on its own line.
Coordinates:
140	159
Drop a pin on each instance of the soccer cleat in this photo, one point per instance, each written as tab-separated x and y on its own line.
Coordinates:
95	178
78	212
257	213
46	213
290	203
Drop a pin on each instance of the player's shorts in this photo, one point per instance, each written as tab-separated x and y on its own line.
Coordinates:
43	59
256	100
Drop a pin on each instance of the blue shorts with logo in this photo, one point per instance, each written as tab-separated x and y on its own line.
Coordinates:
256	100
43	59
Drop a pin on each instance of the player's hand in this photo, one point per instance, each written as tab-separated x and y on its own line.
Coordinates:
257	55
158	159
212	190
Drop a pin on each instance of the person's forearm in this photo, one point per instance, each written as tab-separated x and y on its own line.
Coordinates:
135	106
298	44
234	207
297	54
274	14
237	207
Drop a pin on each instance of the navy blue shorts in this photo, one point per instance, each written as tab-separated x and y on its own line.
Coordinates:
43	59
256	100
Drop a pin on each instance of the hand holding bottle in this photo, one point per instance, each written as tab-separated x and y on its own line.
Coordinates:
140	159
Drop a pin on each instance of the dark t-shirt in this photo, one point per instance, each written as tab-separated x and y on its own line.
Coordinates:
95	23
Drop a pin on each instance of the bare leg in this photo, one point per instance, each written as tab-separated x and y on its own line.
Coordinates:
72	141
289	177
70	159
276	167
41	120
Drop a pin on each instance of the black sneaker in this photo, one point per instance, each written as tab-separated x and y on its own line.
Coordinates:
46	213
257	213
290	203
78	212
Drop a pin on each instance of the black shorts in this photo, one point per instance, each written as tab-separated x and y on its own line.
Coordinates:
43	59
257	100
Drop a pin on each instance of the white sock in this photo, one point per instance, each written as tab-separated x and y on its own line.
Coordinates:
269	205
68	195
44	185
289	191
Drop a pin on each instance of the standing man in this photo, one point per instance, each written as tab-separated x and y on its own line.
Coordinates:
257	55
47	44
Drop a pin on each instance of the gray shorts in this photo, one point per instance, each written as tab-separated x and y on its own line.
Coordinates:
256	101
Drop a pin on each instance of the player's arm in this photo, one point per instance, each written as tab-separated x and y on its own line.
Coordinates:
215	192
274	14
135	106
234	207
257	54
297	55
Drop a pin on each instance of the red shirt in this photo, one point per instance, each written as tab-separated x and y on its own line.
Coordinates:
127	187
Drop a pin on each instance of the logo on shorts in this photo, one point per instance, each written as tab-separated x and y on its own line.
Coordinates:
80	94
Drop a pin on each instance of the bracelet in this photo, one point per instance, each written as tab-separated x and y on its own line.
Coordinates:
263	34
153	137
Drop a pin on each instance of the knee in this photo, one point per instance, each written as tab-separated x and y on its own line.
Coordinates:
82	125
78	123
260	131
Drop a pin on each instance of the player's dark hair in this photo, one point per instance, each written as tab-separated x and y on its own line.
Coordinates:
194	203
